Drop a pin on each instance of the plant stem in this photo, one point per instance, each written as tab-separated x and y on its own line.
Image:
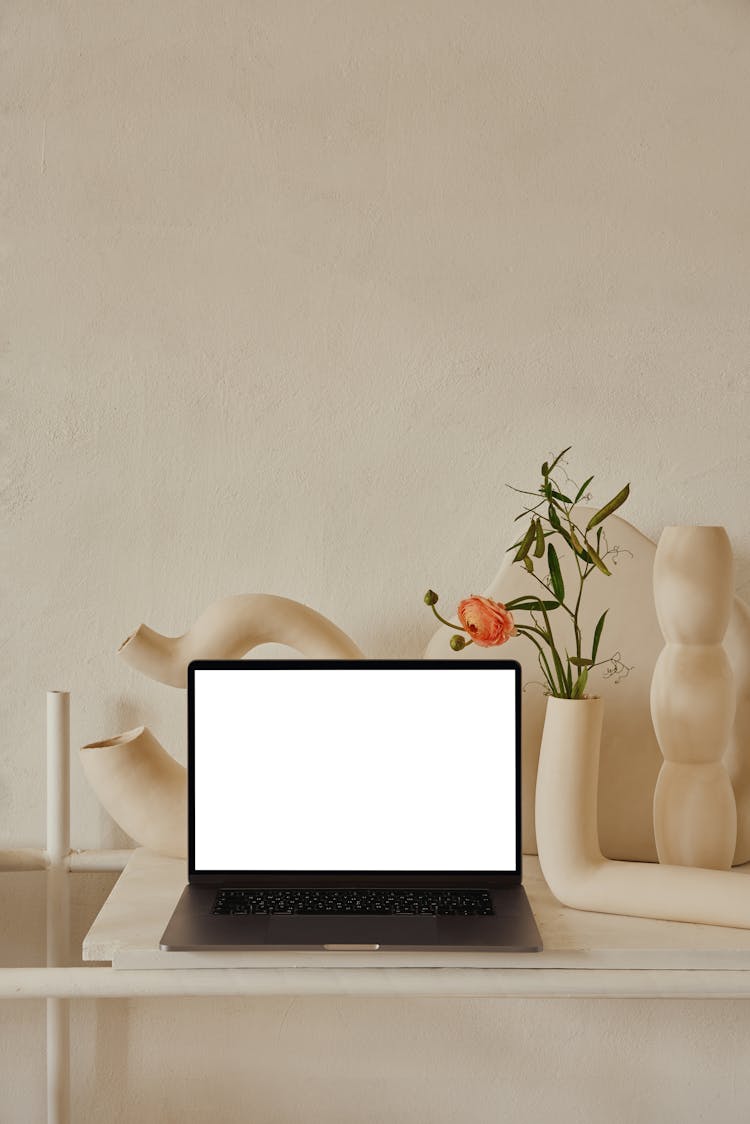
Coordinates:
450	624
526	631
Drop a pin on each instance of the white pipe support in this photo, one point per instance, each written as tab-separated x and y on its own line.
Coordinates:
376	983
101	862
32	858
58	775
58	1058
23	859
58	901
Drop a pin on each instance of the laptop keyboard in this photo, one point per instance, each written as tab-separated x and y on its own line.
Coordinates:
243	902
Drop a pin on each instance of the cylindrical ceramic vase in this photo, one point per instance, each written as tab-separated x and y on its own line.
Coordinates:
566	793
692	699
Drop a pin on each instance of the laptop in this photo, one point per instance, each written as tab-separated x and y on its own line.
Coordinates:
354	805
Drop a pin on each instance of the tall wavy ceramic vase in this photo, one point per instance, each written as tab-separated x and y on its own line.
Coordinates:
567	830
693	699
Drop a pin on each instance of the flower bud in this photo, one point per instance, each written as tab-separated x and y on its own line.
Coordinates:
430	597
457	643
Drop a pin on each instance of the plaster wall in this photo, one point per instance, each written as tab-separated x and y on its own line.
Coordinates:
291	290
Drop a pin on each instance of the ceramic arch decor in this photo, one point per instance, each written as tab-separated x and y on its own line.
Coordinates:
229	629
141	785
630	754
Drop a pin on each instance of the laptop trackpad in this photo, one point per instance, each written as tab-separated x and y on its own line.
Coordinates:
351	930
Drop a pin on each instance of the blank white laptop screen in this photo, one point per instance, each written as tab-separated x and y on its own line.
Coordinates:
328	769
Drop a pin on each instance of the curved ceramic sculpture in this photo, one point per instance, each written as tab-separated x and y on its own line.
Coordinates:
228	629
569	853
630	755
142	787
692	699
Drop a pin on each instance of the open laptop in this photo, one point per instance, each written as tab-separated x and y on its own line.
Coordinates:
354	805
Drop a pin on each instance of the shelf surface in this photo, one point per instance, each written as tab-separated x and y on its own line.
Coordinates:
584	953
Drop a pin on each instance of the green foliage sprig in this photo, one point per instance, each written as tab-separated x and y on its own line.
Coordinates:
551	527
551	520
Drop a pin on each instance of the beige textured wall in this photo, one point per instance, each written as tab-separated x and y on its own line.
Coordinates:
290	291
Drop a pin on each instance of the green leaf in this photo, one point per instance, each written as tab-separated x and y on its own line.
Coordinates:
554	518
526	542
580	662
560	496
560	670
528	564
582	489
545	469
608	508
558	588
531	603
539	547
597	560
598	635
557	458
580	684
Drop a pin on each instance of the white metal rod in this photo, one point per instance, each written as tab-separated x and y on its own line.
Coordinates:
58	775
58	917
58	1055
24	858
58	901
30	858
101	861
375	983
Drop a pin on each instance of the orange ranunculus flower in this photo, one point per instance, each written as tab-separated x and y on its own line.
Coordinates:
487	622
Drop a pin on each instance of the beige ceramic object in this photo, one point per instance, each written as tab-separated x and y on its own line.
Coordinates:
737	756
630	755
569	853
692	699
142	787
228	629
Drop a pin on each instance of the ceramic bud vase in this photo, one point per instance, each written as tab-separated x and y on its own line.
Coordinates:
692	699
567	782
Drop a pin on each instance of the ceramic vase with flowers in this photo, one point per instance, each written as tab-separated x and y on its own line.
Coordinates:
549	617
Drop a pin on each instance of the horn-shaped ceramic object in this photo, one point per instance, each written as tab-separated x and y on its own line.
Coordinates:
142	787
228	629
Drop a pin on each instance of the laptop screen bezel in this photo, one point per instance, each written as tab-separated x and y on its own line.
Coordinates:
331	878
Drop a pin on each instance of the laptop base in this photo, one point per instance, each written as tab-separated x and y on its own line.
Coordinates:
193	928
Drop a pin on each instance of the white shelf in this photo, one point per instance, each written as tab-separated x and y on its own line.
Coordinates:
584	954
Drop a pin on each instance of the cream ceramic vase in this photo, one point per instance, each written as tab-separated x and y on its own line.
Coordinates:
568	838
693	699
567	782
